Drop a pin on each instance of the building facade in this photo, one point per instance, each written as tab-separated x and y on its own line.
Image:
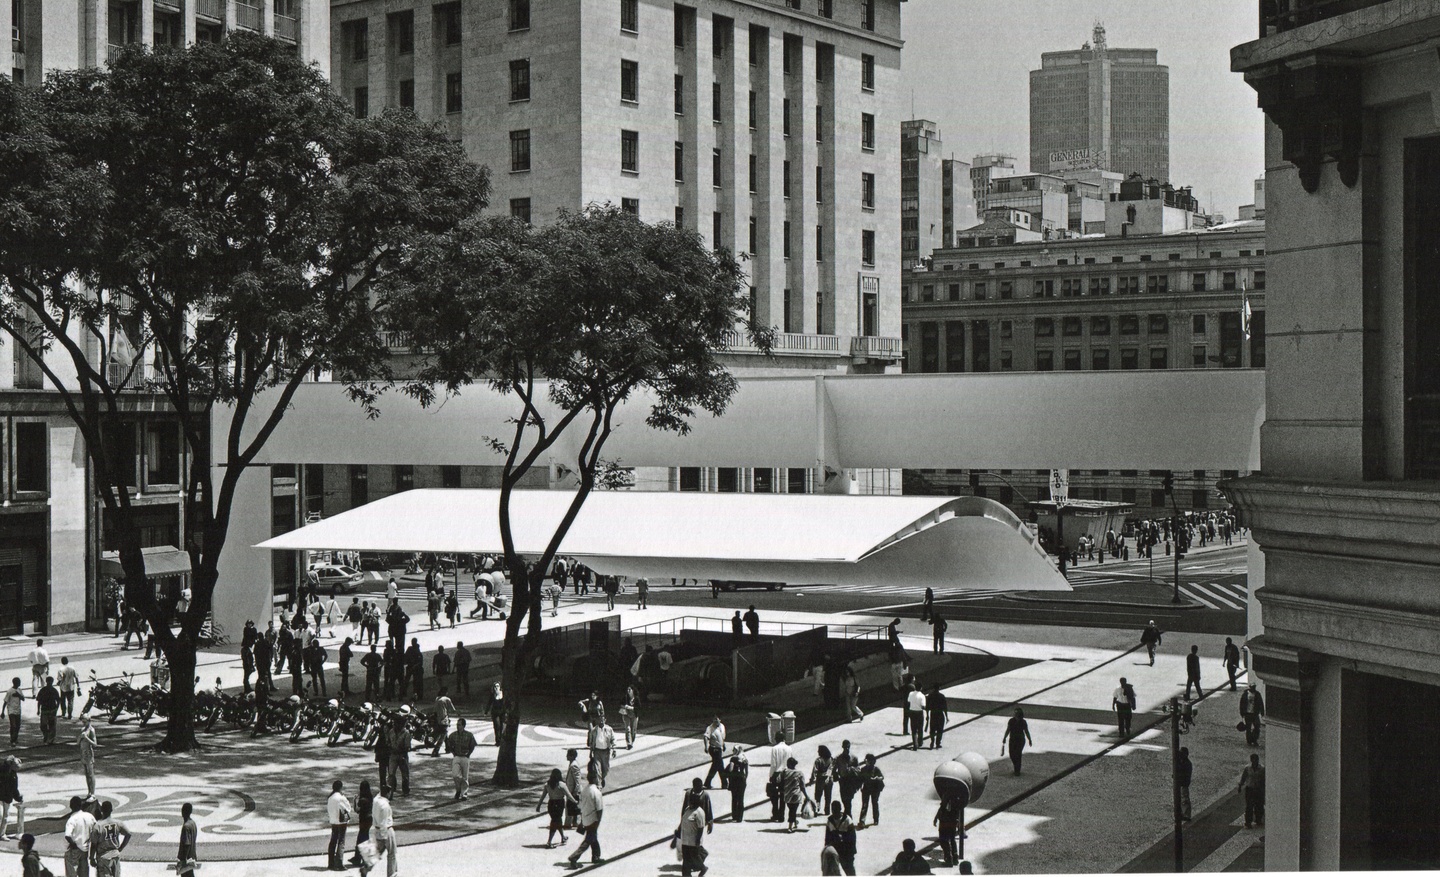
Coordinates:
984	170
922	193
767	127
1346	507
1142	301
1098	107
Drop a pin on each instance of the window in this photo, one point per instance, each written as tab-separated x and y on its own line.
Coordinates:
1100	360
449	476
867	14
754	235
929	347
407	94
1044	360
1199	499
679	161
785	242
1227	280
402	32
1197	282
359	35
867	72
1157	284
520	209
715	102
1072	360
681	16
520	79
404	478
1128	286
867	131
1044	327
1129	359
520	150
1099	325
785	179
867	191
927	292
952	292
162	454
757	39
452	93
1197	324
1198	356
1215	254
1159	357
1007	329
754	109
630	16
785	117
727	479
630	81
630	151
1129	324
819	124
954	346
867	247
1071	327
789	53
819	243
716	228
630	206
1071	287
827	9
819	184
716	175
32	452
1007	360
519	14
450	23
1260	279
679	217
1044	289
980	292
1099	285
679	95
1159	324
362	102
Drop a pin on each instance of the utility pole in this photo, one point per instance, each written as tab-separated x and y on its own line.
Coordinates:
1175	784
1168	482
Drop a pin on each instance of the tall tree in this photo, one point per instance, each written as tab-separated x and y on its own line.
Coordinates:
574	318
208	224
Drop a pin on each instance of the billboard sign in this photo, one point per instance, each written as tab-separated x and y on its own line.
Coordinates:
1077	159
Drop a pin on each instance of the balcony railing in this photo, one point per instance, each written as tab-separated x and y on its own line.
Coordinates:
875	347
211	9
287	27
787	343
1277	16
247	16
398	342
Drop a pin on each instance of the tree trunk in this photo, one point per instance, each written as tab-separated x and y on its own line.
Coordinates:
507	774
180	726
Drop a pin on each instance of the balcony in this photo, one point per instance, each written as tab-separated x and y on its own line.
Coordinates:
211	9
287	27
247	16
876	347
1277	16
787	344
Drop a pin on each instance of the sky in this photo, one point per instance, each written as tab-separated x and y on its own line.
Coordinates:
966	66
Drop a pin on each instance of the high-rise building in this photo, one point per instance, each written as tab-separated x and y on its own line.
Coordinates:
921	182
767	127
1098	107
957	199
984	170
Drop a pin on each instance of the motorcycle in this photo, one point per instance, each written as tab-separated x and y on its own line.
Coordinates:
116	698
354	721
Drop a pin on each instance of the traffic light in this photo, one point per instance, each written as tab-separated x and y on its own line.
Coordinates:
1168	482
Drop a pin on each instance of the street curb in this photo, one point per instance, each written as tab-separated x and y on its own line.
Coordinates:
1190	604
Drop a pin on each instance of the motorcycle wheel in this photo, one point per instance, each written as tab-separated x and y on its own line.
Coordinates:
146	711
115	710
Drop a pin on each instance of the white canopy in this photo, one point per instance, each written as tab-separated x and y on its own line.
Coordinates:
942	542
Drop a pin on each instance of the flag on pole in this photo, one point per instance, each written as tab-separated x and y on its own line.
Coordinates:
1244	310
1060	486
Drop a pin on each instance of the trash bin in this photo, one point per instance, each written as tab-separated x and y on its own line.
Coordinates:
787	726
774	727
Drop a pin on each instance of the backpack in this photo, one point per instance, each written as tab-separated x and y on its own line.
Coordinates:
1130	695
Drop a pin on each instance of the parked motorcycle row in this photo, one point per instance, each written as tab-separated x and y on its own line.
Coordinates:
295	716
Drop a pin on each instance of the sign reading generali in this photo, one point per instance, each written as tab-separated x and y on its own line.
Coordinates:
1076	159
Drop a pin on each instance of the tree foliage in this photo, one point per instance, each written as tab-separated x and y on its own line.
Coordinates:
574	317
209	224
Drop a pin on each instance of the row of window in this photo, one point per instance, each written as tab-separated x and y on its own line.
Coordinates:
1091	260
727	480
1076	287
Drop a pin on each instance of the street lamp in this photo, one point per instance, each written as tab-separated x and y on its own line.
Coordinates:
1059	515
1168	482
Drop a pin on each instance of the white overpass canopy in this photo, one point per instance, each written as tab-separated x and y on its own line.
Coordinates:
948	543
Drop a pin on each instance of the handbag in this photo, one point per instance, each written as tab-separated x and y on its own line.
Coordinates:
807	810
368	853
1240	725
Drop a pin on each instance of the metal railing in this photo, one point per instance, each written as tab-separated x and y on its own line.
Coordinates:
287	27
876	347
212	9
1277	16
787	343
671	627
247	16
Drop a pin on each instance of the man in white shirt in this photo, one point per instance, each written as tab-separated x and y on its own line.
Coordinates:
332	614
715	748
10	707
77	839
337	808
779	755
915	705
39	666
383	830
592	808
69	683
602	744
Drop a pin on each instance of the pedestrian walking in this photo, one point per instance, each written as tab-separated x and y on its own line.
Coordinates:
872	783
297	666
928	605
1184	770
715	747
1192	672
382	821
601	740
10	707
691	839
1150	639
248	637
630	715
697	796
937	708
938	627
452	607
1252	710
78	826
355	614
88	743
414	670
1017	734
752	624
39	665
337	809
401	742
642	593
346	652
440	665
10	794
947	819
364	819
847	775
1252	786
68	681
30	864
461	664
1231	658
47	703
555	797
371	661
822	777
108	840
264	651
737	775
496	710
792	792
915	708
461	745
909	860
572	782
840	836
1123	702
186	858
315	666
592	810
612	589
850	685
779	755
592	708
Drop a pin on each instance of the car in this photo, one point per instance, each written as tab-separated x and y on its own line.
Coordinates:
345	579
734	585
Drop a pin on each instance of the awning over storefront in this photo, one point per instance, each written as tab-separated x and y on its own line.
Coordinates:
942	542
160	562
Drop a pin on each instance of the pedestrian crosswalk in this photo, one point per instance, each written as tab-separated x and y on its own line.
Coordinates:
1217	595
